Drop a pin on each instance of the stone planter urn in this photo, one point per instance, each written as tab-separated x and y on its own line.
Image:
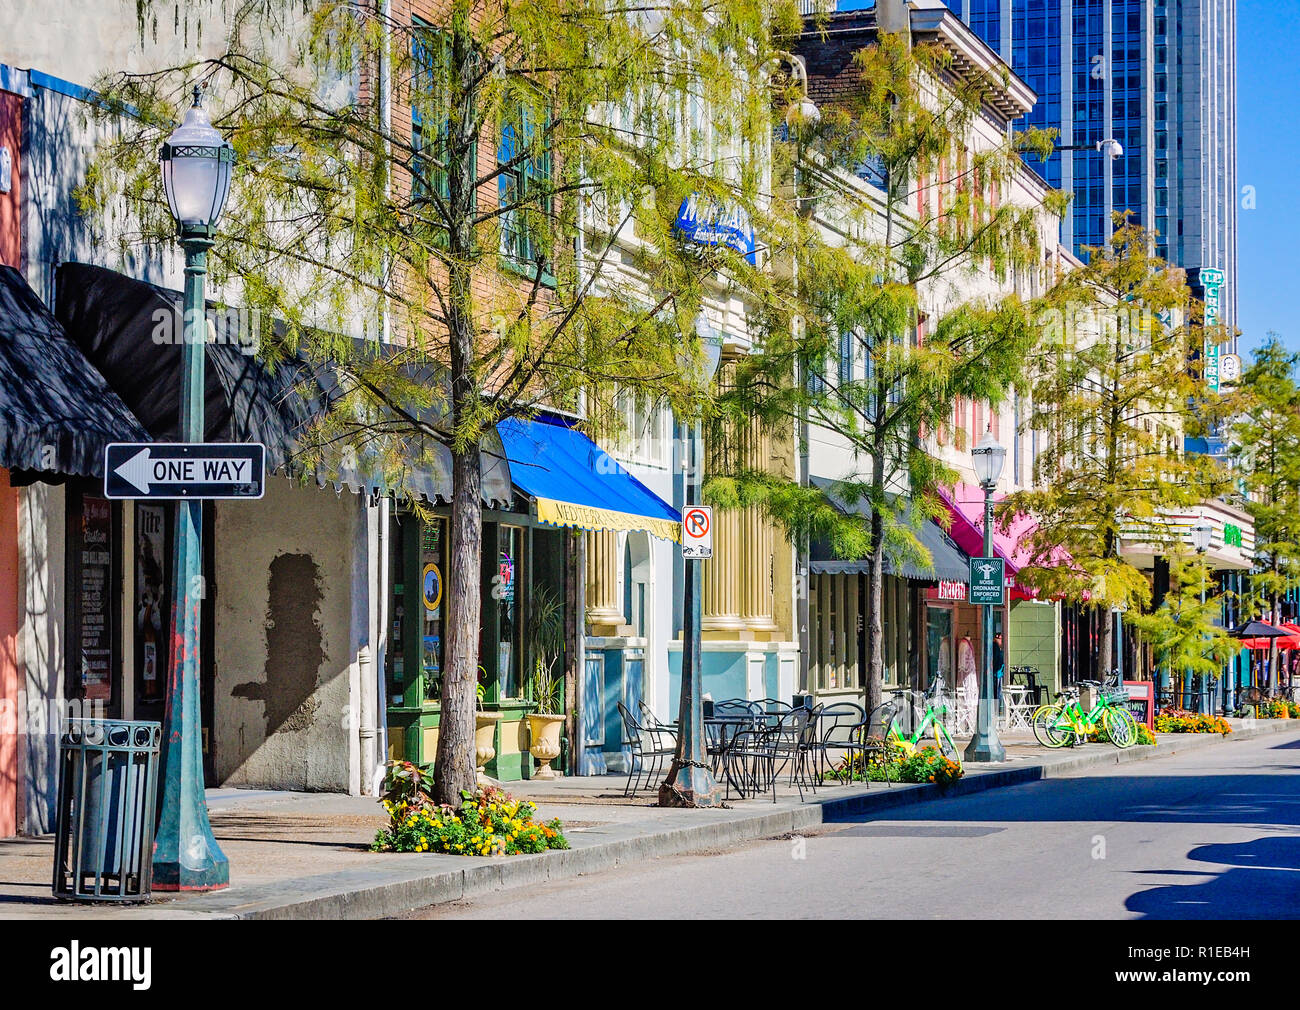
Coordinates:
485	728
544	734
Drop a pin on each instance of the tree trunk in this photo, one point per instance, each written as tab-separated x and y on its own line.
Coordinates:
874	674
454	767
1106	644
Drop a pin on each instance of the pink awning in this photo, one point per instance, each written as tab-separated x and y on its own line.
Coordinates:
965	505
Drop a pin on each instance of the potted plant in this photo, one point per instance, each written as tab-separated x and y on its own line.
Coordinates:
485	731
546	642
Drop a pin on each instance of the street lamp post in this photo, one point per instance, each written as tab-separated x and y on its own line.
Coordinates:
1201	536
690	781
987	459
196	166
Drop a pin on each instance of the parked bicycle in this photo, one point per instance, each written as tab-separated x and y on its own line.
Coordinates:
1065	723
936	708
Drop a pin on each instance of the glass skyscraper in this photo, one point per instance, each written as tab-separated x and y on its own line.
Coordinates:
1160	76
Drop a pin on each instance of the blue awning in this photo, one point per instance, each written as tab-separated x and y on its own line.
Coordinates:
576	483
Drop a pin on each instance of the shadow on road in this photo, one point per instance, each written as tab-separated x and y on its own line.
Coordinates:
1257	879
1263	794
1266	866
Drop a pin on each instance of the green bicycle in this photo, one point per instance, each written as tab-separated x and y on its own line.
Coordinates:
1064	722
935	709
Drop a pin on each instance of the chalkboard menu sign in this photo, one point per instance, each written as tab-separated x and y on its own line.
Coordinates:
1141	701
92	597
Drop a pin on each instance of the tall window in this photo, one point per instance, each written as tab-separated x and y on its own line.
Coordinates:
524	187
847	353
430	110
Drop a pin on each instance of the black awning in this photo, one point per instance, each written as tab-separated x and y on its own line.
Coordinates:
56	411
126	327
948	562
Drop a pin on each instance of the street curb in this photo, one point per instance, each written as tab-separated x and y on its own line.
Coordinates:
381	892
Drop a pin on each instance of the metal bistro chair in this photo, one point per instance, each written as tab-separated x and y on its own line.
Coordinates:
652	722
750	757
871	736
796	744
773	706
642	759
716	738
757	757
836	726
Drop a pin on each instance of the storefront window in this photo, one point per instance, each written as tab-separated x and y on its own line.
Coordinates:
152	602
938	641
431	607
417	567
396	660
505	585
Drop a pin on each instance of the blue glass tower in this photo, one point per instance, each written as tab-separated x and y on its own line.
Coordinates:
1159	76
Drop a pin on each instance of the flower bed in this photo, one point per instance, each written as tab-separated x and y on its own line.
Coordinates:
1144	735
925	765
1173	720
1278	708
488	822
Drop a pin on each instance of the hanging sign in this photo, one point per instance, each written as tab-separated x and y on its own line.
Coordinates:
697	532
1211	281
987	582
951	590
706	222
1229	368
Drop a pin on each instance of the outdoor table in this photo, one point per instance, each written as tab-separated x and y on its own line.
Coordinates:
1018	706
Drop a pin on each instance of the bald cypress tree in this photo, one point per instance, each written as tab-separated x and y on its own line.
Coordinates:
506	212
903	122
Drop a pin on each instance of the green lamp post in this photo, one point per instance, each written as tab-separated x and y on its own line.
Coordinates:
987	459
196	165
690	781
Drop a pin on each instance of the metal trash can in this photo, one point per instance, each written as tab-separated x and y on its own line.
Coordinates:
108	786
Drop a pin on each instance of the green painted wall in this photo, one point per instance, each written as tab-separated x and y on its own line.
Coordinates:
1032	637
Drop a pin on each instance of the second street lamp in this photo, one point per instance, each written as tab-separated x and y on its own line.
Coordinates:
196	164
987	459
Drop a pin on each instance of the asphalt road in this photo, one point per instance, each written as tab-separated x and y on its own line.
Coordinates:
1211	835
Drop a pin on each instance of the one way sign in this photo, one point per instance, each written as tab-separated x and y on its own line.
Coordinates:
192	470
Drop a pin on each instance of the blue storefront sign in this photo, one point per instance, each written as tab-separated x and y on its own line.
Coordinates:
706	222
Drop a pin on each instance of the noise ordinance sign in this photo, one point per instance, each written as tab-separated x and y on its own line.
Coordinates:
181	470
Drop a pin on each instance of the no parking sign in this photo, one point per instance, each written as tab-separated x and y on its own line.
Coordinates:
697	532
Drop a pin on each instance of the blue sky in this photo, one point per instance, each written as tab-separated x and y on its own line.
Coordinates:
1268	158
1268	153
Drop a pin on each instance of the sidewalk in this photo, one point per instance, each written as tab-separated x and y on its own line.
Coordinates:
305	855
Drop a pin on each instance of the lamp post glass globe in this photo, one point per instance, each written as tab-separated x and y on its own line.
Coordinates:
196	163
711	343
1201	536
987	459
802	112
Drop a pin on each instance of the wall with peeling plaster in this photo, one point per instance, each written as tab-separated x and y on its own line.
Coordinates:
283	639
